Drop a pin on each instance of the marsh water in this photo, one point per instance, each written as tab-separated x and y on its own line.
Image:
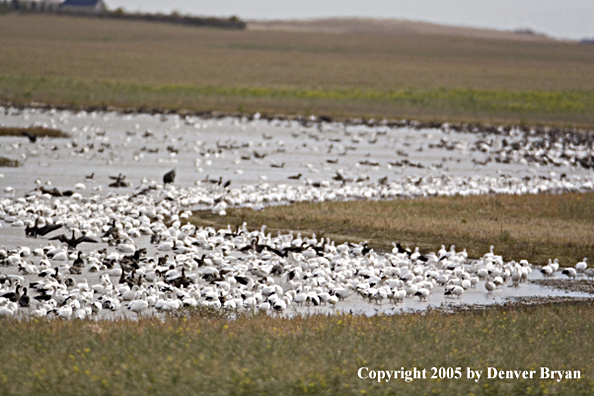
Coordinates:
268	154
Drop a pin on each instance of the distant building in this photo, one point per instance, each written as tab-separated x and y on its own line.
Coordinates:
83	6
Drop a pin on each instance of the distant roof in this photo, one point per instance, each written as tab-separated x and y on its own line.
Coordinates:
81	3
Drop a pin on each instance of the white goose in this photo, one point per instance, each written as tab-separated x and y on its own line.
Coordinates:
581	266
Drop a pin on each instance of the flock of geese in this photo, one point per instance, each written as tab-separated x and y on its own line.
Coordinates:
242	152
181	265
132	250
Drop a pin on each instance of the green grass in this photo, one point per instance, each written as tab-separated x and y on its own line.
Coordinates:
553	106
318	355
532	227
78	61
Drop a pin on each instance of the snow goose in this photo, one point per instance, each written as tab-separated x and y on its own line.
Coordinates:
454	290
581	266
490	286
139	306
570	272
422	293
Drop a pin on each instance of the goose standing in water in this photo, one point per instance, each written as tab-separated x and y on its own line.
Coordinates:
570	272
581	266
422	293
24	299
555	265
490	286
139	306
169	177
454	291
31	136
547	270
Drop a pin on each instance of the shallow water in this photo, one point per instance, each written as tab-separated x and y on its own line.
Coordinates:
14	236
471	296
198	142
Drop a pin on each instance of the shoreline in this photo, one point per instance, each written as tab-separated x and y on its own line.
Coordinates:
466	127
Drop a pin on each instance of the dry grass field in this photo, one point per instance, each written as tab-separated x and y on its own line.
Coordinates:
390	26
532	227
430	76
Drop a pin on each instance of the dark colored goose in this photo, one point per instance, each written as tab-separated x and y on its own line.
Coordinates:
403	250
13	296
169	177
24	299
119	181
54	192
31	136
73	242
79	262
34	231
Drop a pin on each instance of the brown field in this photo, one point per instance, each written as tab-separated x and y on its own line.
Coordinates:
74	56
532	227
141	52
394	27
162	54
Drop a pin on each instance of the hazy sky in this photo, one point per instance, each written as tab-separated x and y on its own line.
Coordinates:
564	19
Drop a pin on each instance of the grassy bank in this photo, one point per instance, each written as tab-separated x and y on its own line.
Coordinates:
317	355
532	227
423	76
564	107
36	131
8	163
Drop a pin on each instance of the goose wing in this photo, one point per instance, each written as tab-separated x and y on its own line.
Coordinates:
48	228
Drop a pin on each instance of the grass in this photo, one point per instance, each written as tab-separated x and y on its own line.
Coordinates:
8	163
37	131
532	227
551	106
423	76
318	355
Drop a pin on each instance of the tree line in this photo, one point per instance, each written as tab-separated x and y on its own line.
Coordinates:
174	17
